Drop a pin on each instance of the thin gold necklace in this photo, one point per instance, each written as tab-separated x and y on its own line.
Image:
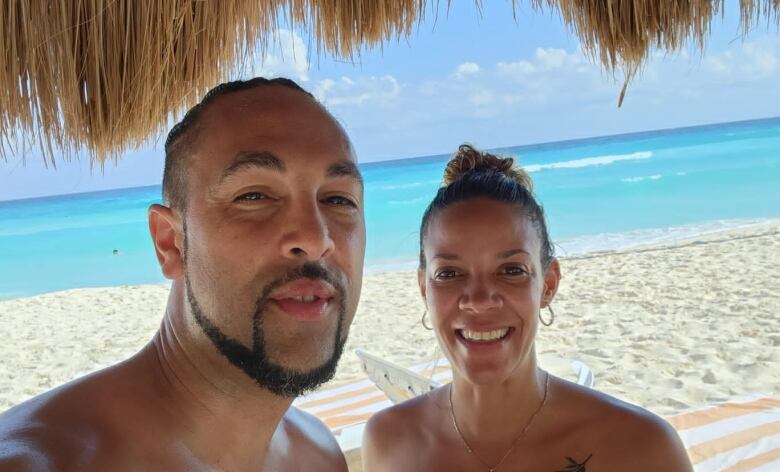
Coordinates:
494	468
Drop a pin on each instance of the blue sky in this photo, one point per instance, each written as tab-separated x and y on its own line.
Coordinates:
488	80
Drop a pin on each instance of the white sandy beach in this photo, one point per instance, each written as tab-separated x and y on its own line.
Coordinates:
666	327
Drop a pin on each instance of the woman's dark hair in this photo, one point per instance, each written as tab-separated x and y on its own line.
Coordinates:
474	174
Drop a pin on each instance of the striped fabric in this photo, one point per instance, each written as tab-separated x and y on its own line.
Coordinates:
737	436
354	402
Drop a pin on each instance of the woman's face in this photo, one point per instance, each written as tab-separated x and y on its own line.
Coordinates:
484	285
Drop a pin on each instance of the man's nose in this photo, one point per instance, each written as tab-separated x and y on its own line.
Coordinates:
306	233
480	296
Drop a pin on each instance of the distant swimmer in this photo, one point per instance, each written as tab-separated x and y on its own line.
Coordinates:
116	252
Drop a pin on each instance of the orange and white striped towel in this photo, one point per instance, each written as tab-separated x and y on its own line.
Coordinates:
736	436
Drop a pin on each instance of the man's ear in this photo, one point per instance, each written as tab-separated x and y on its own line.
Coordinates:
166	228
552	277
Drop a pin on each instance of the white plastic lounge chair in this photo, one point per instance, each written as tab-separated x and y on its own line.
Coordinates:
400	383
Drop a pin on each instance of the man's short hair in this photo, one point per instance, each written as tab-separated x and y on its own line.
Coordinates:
178	144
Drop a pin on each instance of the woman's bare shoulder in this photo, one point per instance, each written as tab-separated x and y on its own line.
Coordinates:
391	432
405	416
631	436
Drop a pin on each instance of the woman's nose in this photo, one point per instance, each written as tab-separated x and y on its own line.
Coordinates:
479	297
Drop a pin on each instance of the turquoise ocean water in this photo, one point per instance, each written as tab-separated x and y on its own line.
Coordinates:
599	193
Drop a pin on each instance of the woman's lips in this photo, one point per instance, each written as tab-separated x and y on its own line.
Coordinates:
484	339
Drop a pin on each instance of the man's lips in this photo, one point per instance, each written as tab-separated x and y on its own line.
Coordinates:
304	299
304	288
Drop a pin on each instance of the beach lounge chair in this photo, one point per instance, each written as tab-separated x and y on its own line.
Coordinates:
736	436
346	407
400	383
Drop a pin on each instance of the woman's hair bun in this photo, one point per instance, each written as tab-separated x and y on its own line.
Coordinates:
468	159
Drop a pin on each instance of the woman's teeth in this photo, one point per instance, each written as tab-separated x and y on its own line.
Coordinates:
484	336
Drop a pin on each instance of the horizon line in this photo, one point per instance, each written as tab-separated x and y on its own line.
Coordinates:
379	163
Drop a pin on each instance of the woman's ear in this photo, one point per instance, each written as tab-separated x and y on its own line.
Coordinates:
421	283
165	225
552	276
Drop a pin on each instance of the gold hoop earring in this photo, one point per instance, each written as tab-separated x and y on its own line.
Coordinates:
422	321
552	317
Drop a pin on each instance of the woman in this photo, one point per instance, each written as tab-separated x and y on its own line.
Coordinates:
487	270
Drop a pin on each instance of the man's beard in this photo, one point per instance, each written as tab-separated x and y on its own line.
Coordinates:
254	361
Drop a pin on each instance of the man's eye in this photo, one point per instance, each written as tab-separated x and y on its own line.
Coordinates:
340	201
251	197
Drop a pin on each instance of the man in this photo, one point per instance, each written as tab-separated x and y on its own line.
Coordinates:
263	237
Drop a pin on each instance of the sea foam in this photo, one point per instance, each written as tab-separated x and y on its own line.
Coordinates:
590	161
631	180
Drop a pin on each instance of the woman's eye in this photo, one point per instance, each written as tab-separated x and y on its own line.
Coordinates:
251	197
445	274
341	201
515	270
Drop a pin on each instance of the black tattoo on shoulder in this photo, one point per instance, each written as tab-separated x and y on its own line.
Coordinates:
575	466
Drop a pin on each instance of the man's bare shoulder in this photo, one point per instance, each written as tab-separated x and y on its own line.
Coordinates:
306	432
57	430
621	435
31	440
18	455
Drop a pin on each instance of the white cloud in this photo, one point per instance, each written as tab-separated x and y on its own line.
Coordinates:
552	94
752	61
553	58
544	60
761	61
286	56
373	90
515	68
467	68
716	65
482	97
548	76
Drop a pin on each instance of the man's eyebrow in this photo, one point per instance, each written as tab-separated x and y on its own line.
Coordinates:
512	252
345	169
250	160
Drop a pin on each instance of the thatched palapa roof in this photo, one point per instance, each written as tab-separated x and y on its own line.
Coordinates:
106	74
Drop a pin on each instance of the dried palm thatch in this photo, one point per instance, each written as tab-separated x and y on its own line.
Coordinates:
104	75
622	33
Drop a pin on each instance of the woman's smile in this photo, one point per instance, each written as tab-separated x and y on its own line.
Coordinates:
483	336
484	340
